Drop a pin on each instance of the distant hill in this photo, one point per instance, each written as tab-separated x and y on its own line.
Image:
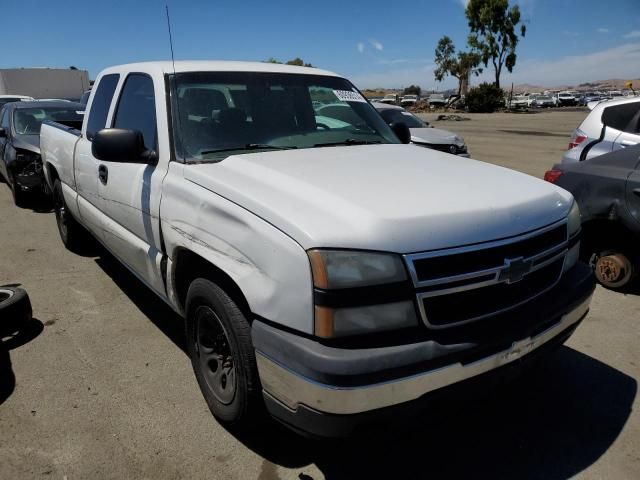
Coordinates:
610	84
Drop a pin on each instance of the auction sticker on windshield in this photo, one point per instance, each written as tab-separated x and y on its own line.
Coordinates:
349	96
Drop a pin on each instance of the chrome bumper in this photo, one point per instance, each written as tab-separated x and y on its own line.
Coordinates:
292	389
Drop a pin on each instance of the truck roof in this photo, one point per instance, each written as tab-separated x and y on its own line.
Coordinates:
182	66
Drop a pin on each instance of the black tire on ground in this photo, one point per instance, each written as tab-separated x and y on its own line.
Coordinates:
15	309
222	355
72	234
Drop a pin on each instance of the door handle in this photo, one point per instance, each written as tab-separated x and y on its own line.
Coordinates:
628	143
103	174
636	191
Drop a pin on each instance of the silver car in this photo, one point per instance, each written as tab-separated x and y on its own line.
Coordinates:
421	133
624	131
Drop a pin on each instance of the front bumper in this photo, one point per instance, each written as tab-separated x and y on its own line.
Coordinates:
329	391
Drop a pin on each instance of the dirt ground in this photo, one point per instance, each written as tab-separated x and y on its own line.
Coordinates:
100	386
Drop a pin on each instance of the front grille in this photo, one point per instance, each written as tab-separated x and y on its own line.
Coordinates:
478	303
459	285
431	268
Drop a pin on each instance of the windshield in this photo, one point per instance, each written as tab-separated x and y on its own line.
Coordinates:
394	115
27	121
216	114
5	100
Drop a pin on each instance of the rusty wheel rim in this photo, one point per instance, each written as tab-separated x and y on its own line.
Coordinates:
613	270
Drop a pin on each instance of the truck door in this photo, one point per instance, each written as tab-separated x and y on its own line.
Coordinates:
85	165
130	192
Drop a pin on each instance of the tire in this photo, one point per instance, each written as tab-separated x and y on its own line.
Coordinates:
15	309
19	197
222	355
72	234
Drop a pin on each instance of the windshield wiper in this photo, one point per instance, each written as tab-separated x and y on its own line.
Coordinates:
348	141
250	146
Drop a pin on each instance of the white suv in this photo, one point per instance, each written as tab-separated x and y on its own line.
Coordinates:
624	132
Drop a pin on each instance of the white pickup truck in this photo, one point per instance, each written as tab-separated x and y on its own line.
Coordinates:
324	270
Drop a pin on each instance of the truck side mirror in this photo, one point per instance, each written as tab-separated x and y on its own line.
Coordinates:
121	145
3	133
402	131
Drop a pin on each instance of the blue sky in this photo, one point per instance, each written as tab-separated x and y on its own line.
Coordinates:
373	42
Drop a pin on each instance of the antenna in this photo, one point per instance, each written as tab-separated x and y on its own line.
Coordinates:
173	63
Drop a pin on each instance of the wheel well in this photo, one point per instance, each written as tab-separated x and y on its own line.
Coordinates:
605	234
53	173
189	266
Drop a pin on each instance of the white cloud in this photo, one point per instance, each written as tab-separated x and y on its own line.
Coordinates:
360	47
603	30
632	34
396	77
622	61
376	44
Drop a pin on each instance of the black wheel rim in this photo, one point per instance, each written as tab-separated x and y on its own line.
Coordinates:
61	214
215	356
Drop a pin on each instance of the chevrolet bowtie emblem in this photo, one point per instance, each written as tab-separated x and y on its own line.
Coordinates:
514	269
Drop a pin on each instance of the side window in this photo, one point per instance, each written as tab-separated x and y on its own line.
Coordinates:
100	106
621	116
137	108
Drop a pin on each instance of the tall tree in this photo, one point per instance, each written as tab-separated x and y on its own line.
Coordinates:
459	65
494	33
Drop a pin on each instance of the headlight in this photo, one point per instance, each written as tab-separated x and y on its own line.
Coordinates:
341	311
574	222
340	322
333	269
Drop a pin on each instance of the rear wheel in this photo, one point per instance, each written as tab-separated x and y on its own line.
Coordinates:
72	234
222	355
614	269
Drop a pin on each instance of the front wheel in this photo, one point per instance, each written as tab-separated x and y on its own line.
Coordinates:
222	355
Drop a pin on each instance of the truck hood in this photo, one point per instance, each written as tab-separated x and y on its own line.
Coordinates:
435	136
399	198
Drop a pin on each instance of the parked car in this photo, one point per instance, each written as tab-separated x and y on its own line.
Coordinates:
409	100
607	188
324	273
4	99
623	131
517	102
565	99
542	101
588	97
437	100
421	132
20	162
85	97
391	98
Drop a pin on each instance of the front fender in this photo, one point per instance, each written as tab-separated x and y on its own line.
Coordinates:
271	269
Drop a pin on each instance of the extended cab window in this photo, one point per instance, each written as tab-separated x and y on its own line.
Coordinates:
137	108
100	106
217	114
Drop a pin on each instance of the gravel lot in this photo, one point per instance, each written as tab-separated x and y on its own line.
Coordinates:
101	386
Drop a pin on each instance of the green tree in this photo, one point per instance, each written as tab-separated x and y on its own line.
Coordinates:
412	90
494	33
296	61
459	65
